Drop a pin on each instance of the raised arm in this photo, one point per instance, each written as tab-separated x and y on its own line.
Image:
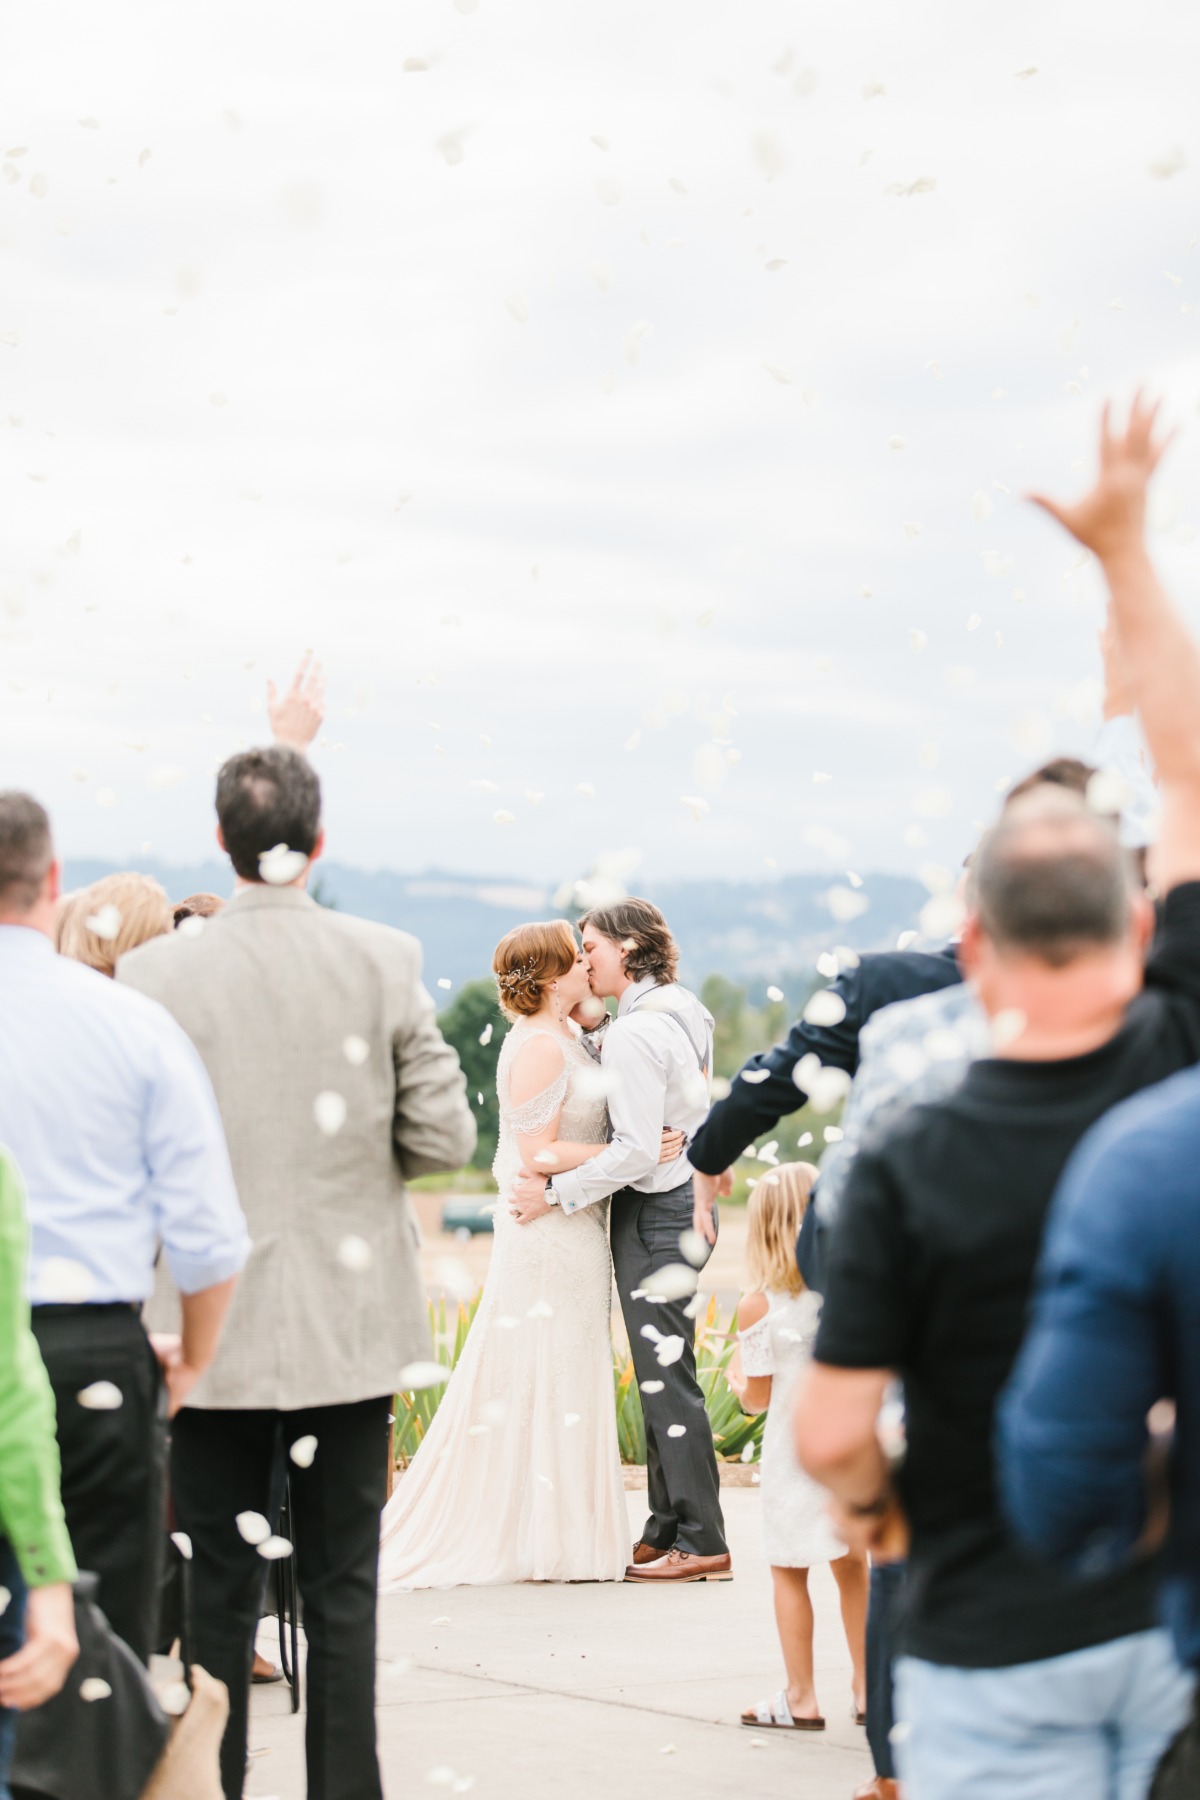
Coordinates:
297	718
1161	658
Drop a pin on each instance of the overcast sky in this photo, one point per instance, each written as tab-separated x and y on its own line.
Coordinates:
603	389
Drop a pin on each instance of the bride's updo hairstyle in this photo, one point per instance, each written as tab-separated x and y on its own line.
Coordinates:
527	959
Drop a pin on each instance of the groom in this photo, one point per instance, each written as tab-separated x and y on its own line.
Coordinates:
657	1055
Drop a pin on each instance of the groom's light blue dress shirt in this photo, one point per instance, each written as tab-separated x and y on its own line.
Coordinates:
108	1112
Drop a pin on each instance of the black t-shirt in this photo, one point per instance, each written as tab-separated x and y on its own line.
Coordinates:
930	1271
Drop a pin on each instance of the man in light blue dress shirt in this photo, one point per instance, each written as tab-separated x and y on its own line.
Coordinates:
109	1113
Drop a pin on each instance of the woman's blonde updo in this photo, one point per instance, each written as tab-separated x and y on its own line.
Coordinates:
98	925
527	960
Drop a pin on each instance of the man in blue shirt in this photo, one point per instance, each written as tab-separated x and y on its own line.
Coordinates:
109	1113
1116	1328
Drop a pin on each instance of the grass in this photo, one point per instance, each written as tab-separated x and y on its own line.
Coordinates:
736	1436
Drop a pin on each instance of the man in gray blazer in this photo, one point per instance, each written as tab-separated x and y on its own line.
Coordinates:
334	1086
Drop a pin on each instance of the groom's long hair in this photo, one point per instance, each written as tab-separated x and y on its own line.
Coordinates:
643	935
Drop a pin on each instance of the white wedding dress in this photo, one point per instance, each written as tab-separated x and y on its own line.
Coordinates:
519	1477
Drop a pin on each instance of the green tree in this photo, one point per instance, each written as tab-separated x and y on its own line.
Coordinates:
464	1023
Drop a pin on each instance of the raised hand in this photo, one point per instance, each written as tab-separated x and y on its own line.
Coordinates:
1111	518
297	718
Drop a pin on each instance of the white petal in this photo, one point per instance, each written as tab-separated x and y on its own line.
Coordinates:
355	1050
303	1451
94	1688
775	995
280	866
676	1431
651	1387
329	1111
355	1254
825	1008
668	1350
252	1527
416	1375
183	1544
105	923
174	1699
672	1282
101	1396
275	1549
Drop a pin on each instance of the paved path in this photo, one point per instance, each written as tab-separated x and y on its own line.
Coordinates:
611	1692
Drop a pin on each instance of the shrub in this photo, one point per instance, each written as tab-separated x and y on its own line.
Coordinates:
732	1429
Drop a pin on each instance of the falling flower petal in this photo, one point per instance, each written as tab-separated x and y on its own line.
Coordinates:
274	1549
355	1254
418	1375
101	1396
329	1111
825	1008
94	1687
303	1451
104	924
252	1527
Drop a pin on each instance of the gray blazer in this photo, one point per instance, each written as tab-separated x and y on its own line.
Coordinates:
270	993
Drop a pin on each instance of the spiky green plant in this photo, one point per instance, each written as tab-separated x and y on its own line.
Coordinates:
732	1429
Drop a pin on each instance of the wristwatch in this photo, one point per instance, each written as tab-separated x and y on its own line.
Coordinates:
552	1198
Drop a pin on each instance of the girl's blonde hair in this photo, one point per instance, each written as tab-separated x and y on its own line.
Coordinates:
130	910
774	1216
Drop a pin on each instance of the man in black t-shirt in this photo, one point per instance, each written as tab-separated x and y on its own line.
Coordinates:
1015	1679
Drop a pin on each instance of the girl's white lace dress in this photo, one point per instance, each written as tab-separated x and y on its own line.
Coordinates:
796	1529
519	1477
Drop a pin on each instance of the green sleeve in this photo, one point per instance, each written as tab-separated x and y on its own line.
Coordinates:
31	1513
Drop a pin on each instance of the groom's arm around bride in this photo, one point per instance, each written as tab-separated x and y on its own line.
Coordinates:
657	1062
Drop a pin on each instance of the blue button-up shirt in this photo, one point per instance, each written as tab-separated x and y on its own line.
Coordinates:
108	1112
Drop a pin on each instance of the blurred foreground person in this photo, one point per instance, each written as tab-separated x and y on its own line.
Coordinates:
1015	1680
37	1622
334	1085
114	915
110	1116
1116	1331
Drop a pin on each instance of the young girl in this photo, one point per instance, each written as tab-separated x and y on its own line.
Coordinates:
777	1324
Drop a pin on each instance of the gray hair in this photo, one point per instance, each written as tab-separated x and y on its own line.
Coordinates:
26	850
1052	880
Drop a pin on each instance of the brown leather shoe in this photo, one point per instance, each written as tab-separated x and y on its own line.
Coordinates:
681	1565
882	1788
645	1553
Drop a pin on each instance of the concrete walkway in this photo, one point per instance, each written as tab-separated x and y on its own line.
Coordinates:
605	1691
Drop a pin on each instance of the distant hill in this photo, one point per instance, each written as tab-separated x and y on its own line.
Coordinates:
753	932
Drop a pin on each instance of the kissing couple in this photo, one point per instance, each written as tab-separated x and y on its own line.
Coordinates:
519	1477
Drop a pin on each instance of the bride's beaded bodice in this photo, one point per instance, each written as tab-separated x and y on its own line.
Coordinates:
578	1091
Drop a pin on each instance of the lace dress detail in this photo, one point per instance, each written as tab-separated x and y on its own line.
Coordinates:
519	1476
796	1529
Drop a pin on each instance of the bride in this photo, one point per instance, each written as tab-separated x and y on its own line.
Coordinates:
518	1477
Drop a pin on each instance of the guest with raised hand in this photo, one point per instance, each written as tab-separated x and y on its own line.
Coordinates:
110	1115
37	1622
1015	1679
335	1086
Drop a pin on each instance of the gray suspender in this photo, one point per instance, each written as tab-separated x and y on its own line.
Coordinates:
665	1012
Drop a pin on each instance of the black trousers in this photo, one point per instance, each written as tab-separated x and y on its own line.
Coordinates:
681	1471
113	1460
883	1602
224	1463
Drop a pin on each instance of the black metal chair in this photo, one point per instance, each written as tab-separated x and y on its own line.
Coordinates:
287	1601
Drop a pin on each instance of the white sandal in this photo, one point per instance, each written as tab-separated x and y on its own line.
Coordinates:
776	1715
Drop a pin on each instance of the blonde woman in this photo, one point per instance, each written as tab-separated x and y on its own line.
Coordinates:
777	1325
100	923
519	1476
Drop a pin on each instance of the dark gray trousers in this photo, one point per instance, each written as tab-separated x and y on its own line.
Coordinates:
684	1488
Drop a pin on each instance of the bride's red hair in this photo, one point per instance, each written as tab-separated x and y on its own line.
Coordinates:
528	958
